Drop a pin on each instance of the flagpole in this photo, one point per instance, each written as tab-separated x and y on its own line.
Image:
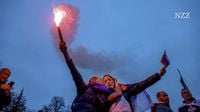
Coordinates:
179	72
182	81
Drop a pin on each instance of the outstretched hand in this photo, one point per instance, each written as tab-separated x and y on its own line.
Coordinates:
162	71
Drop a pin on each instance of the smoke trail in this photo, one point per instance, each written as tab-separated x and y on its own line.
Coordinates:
100	61
69	23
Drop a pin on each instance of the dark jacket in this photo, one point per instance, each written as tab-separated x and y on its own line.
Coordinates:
193	107
134	89
90	98
4	99
161	107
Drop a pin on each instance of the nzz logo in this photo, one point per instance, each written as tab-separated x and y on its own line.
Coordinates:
182	15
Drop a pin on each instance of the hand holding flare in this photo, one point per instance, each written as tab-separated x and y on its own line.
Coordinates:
58	16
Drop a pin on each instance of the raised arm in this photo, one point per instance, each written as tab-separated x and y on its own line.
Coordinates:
80	84
137	88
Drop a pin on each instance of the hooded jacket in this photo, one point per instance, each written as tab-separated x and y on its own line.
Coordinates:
90	97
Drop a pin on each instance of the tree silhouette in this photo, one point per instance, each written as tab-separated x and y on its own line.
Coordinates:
45	108
57	104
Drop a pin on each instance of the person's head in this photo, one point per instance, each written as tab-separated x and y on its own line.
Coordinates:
95	79
109	81
162	96
4	74
186	94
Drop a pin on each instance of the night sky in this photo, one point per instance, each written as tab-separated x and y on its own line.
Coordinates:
125	38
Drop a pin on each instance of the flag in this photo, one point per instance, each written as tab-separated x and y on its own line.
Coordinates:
164	60
182	81
142	102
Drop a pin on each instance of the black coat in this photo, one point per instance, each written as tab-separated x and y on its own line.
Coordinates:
89	97
136	88
161	107
194	106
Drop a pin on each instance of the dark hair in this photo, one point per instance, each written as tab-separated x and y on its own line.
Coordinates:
110	77
93	79
184	90
158	93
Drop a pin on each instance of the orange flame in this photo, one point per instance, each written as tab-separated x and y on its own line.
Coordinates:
58	16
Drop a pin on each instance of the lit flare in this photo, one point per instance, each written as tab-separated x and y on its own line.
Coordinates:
58	16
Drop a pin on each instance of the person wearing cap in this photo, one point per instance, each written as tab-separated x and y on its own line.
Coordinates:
190	104
5	89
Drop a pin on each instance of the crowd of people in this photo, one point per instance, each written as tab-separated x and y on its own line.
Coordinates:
107	94
94	97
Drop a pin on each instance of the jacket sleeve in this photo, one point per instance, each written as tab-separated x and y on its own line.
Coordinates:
138	87
79	82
